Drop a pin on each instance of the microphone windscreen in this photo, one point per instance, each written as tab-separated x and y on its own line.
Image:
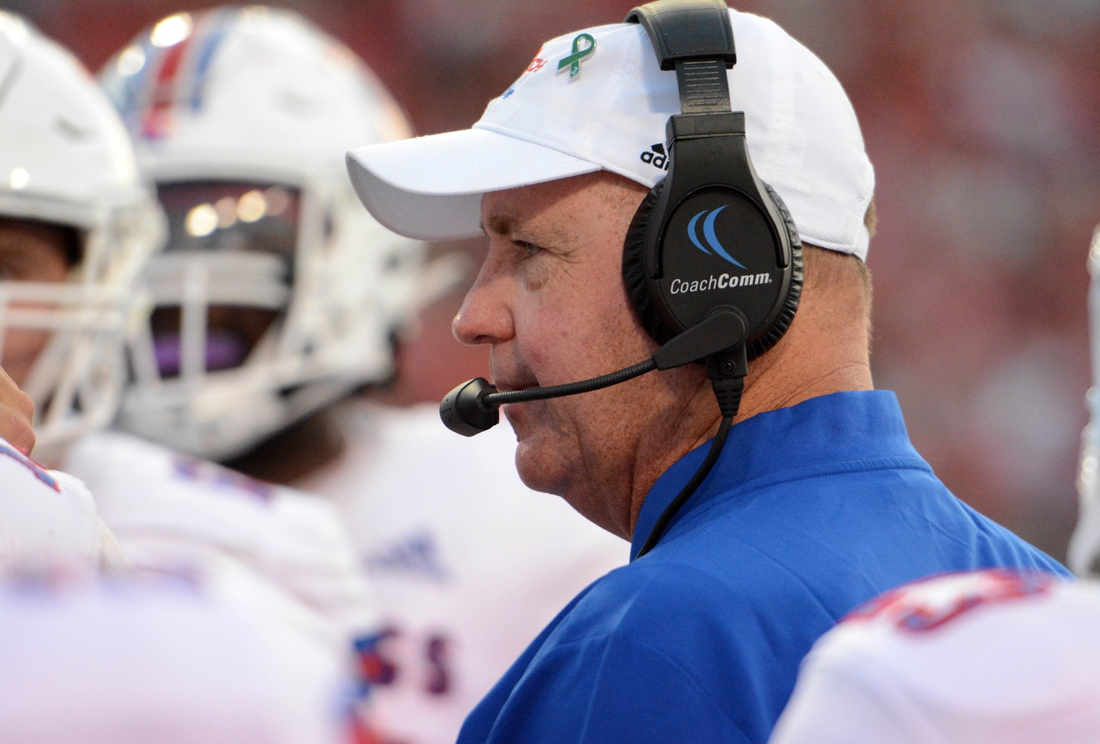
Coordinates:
462	411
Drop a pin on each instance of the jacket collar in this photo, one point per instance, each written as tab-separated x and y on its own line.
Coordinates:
785	444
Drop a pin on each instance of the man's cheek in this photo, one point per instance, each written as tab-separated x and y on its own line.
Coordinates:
559	350
548	327
535	348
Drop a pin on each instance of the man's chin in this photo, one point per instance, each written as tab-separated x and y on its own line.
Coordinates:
542	451
540	465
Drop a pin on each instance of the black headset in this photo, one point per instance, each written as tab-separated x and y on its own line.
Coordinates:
712	261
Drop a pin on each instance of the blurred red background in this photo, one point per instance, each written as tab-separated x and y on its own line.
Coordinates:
982	118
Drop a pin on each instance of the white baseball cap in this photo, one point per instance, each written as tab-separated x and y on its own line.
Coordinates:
610	114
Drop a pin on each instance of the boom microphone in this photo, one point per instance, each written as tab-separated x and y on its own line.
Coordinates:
474	406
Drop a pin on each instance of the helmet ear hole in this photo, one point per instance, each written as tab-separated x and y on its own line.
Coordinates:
634	269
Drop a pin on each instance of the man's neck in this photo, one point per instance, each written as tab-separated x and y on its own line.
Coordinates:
786	385
774	382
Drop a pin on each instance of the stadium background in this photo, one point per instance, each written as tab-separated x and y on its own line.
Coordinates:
982	118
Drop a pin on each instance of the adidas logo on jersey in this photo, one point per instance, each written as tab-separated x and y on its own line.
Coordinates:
656	156
414	554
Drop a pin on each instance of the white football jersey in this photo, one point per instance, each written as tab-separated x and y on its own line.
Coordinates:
135	661
172	512
48	518
990	657
467	562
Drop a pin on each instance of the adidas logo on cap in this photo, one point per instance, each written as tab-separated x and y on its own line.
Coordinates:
656	156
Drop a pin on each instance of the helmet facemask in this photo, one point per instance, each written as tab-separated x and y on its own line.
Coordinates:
75	327
263	311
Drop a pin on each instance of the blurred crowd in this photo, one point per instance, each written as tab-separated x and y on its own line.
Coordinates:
981	119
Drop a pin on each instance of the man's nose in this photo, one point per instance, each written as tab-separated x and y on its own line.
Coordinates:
485	316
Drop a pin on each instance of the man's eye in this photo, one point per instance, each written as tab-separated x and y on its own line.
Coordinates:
529	249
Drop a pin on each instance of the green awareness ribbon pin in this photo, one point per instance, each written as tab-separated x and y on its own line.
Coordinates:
573	61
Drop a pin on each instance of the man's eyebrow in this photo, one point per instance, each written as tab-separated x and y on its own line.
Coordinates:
500	224
513	227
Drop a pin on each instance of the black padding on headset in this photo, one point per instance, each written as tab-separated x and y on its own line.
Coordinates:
794	293
638	290
634	269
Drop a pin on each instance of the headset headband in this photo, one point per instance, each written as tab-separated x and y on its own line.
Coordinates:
695	38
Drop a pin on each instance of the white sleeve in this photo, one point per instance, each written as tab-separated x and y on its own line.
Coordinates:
46	517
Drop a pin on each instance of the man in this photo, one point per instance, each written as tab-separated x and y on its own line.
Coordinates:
818	501
276	297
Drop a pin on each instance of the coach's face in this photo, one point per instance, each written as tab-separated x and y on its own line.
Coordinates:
550	301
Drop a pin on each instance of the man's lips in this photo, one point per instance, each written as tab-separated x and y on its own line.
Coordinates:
509	384
515	411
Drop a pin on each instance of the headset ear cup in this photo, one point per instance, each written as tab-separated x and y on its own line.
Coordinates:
634	269
794	291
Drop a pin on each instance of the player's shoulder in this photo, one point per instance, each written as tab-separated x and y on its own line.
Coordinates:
33	485
46	516
998	652
408	448
103	456
20	473
110	444
111	459
918	629
948	599
127	473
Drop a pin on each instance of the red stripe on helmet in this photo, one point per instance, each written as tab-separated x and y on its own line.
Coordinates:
158	113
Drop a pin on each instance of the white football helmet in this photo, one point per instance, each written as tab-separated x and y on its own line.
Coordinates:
65	159
278	293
